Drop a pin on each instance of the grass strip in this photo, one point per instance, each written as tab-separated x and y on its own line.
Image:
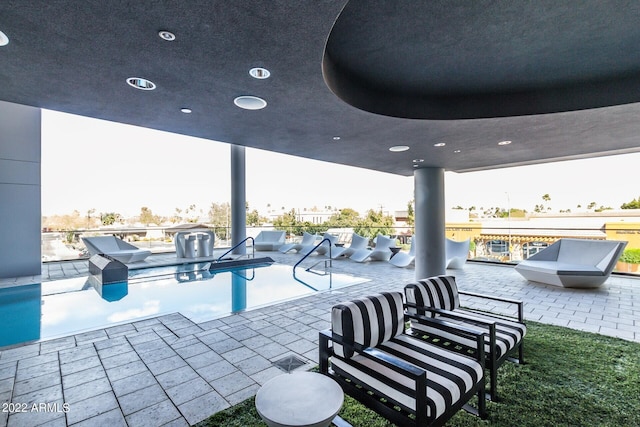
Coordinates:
570	378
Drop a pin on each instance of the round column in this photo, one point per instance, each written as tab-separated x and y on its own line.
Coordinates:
238	198
429	222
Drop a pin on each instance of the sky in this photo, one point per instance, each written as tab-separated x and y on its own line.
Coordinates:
111	167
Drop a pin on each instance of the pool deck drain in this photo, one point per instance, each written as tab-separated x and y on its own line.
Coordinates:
289	363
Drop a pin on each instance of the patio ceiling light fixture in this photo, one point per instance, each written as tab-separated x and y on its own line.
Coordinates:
140	83
4	40
186	110
504	142
249	102
336	138
440	144
398	148
167	35
259	73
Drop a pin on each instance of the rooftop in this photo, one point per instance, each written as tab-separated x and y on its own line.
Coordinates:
171	370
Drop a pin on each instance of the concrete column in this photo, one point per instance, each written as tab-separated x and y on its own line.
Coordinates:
429	222
20	205
238	198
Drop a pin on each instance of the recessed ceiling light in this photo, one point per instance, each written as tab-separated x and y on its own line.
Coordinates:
418	160
186	110
336	138
167	35
249	102
4	40
140	83
439	144
398	148
457	151
259	73
504	142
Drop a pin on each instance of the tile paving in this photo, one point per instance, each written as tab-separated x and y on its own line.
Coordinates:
170	371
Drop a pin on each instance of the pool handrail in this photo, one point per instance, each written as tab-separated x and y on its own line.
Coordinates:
253	250
312	251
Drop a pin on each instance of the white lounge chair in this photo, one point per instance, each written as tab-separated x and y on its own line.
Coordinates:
573	263
404	259
322	249
269	240
456	253
307	239
115	248
357	242
381	252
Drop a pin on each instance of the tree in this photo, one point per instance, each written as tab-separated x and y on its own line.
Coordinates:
191	214
219	217
541	207
634	204
288	221
254	219
345	218
177	216
411	216
374	223
147	217
89	213
110	218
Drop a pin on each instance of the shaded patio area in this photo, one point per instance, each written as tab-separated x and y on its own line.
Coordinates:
168	370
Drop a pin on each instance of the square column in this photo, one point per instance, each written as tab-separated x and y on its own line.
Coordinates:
20	206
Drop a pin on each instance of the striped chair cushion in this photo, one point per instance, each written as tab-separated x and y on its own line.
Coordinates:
449	375
367	321
442	292
508	333
438	292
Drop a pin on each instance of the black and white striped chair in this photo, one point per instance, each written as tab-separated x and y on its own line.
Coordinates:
438	296
374	361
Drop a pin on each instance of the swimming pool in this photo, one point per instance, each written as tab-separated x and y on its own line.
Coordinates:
65	307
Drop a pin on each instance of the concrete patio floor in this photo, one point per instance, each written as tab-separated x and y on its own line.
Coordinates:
170	371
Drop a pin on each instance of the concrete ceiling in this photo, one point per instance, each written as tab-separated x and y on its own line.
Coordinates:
560	79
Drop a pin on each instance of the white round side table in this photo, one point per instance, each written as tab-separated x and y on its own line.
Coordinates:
300	399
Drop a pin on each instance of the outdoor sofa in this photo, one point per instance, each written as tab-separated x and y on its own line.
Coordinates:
269	240
573	263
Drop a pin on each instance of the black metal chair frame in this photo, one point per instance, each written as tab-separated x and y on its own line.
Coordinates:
384	405
467	315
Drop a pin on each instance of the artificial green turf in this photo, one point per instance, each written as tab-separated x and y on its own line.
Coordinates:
570	378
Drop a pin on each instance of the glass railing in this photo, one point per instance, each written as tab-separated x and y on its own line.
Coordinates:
487	244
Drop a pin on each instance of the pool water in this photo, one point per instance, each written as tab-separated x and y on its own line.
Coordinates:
65	307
